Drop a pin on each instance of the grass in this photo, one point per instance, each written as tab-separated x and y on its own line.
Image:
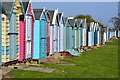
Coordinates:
97	63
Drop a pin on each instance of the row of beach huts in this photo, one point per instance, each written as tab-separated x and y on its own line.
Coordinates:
32	34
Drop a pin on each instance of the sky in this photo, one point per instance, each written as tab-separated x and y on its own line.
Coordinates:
100	11
75	0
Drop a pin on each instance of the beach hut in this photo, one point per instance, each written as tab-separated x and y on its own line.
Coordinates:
96	34
5	38
64	36
79	25
61	24
53	31
90	36
29	36
84	32
105	34
26	31
112	34
81	33
66	33
108	33
2	11
22	32
12	11
118	32
101	34
72	34
40	28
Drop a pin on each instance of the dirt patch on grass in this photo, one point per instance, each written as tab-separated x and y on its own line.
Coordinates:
68	64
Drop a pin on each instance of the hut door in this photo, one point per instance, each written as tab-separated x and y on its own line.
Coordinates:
13	37
28	36
55	38
43	38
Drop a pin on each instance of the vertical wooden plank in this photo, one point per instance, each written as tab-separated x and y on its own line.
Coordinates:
22	42
51	40
36	51
12	37
43	37
28	36
0	38
61	37
64	38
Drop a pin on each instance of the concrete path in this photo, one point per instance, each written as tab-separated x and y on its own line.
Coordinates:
39	69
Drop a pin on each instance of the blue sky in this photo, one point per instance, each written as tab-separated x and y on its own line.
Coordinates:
100	11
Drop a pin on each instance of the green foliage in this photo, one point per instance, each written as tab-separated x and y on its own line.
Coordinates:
88	19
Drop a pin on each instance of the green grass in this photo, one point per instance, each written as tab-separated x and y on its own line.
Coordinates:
97	63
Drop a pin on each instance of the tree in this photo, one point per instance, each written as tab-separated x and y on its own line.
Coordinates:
116	22
88	19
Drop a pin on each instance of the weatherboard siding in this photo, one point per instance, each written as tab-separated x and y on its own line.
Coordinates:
0	39
36	51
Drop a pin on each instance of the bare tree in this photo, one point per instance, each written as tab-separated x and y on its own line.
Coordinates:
116	22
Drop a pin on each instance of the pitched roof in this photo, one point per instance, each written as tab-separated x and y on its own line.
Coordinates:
58	17
78	22
2	10
8	7
25	4
51	12
65	19
37	13
72	22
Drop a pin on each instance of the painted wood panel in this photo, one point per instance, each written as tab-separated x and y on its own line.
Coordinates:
89	38
36	51
58	37
61	37
70	38
118	33
28	36
64	38
13	37
22	41
43	37
48	34
84	36
0	39
76	38
55	38
51	40
67	37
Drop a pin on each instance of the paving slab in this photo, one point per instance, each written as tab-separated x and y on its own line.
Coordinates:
39	69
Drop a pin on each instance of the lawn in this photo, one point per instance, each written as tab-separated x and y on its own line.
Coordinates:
97	63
